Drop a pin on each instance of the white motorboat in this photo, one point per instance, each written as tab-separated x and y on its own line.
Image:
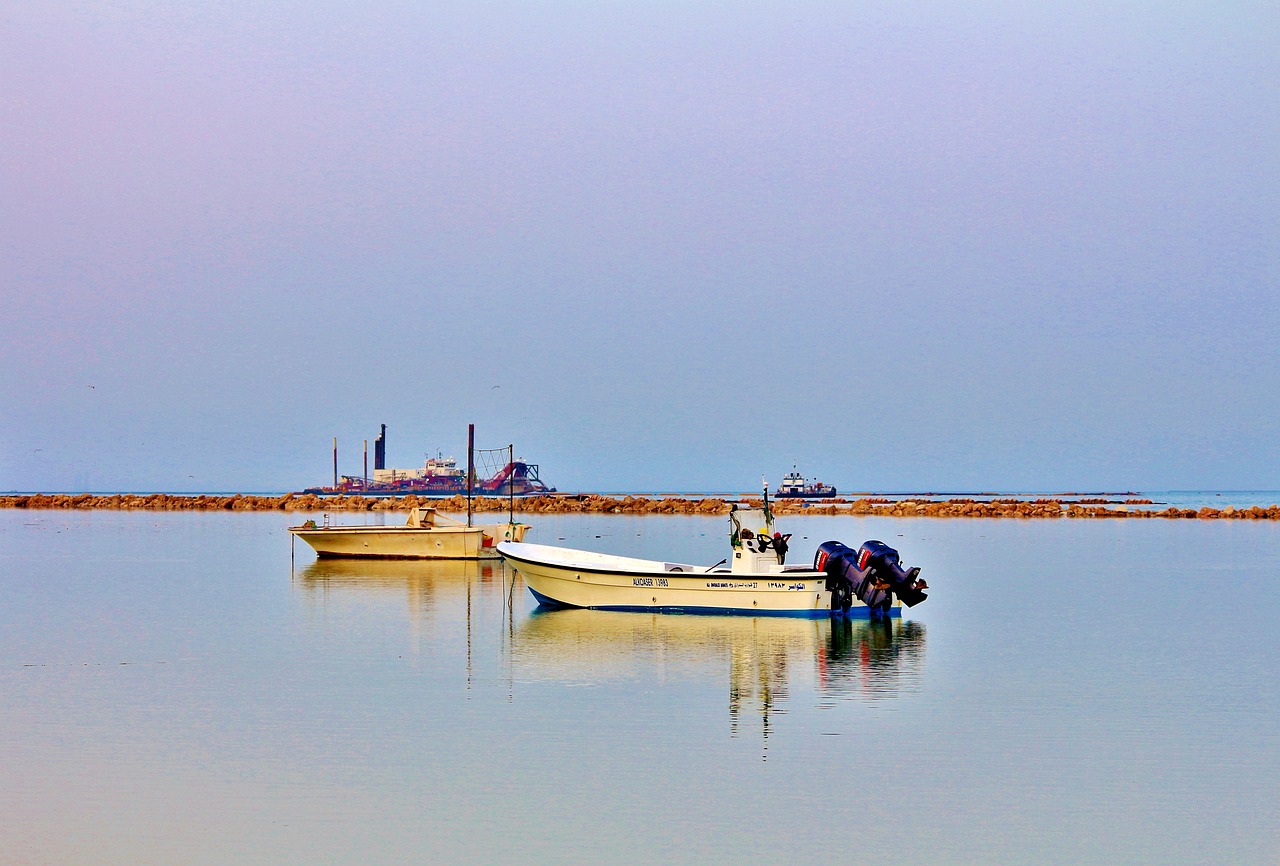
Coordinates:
427	534
753	580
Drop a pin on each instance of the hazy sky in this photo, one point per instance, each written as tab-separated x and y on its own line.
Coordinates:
908	245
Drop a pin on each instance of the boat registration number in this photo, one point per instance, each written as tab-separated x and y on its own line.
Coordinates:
649	581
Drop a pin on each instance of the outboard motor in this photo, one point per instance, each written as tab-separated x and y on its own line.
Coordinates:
873	573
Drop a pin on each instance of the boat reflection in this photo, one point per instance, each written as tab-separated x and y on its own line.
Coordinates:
446	577
432	589
764	661
437	594
871	659
766	657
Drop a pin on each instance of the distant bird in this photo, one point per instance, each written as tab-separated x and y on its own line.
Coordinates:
495	386
39	449
94	387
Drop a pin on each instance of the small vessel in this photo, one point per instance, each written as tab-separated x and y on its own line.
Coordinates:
427	534
795	486
754	579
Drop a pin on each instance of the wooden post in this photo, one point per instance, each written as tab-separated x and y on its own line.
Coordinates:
335	461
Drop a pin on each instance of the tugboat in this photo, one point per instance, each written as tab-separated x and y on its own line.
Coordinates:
795	486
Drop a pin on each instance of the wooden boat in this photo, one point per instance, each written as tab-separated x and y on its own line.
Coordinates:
754	579
428	534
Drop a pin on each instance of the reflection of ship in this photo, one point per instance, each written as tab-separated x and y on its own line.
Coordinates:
766	656
795	486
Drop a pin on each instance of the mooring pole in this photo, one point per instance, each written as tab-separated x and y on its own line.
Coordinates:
511	483
471	466
366	465
335	461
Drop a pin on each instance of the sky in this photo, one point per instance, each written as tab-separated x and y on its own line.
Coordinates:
657	246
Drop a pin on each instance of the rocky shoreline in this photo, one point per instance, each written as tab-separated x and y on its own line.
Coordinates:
599	504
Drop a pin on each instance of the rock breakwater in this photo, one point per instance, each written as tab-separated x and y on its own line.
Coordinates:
597	504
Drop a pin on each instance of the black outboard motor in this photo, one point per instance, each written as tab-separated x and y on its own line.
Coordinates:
873	573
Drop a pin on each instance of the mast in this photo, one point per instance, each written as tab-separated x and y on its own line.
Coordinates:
335	461
471	466
511	484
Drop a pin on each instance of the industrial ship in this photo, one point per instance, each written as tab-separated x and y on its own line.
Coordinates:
796	486
438	476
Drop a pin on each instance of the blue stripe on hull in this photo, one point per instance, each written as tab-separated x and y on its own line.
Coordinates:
862	612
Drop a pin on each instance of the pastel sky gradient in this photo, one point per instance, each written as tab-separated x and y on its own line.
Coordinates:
909	245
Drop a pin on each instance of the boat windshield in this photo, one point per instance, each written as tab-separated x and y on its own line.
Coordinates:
749	522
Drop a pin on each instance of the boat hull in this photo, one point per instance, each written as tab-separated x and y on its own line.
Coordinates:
633	587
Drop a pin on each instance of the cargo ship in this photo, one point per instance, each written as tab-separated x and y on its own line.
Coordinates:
795	486
438	476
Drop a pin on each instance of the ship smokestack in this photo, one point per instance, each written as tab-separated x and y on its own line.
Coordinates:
380	450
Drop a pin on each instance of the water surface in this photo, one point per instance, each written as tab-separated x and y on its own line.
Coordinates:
175	690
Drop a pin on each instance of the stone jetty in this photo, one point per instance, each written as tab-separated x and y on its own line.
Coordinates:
590	503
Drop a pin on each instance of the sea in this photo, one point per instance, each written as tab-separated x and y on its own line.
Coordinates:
194	688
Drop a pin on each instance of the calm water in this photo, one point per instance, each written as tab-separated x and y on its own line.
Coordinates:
172	690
